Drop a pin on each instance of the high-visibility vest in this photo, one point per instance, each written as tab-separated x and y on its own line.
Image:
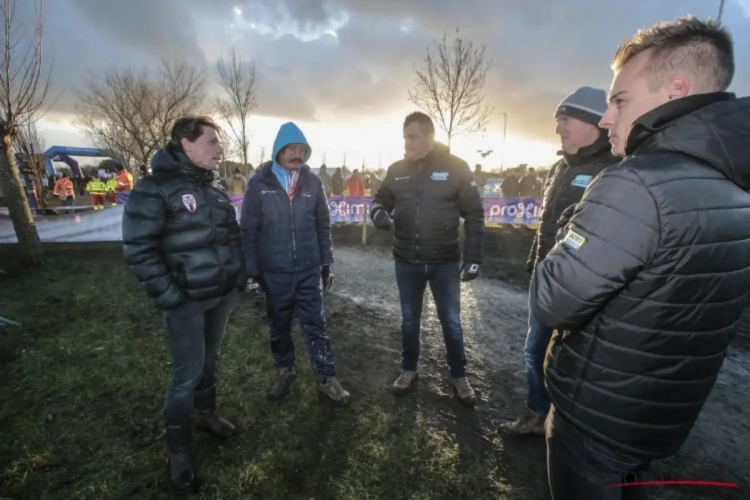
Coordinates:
96	186
124	181
112	184
64	188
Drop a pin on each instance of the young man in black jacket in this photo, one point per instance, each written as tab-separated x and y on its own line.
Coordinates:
424	196
650	277
585	153
286	229
182	241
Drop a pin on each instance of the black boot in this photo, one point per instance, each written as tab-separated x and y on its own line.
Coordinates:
182	478
206	418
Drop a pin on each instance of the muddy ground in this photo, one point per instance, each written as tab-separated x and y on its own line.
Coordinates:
364	321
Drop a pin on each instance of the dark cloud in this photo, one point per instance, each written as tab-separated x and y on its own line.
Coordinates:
540	51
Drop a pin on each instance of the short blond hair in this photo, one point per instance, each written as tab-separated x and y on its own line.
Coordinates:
702	48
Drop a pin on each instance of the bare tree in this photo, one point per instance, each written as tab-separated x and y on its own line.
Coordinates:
237	79
450	85
31	147
132	113
24	83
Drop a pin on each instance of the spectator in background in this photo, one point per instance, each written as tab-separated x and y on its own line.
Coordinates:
480	179
124	180
586	152
354	185
236	183
337	183
65	192
528	186
325	179
509	185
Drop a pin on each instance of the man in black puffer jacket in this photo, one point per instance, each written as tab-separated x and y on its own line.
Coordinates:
650	277
286	228
182	241
426	194
585	153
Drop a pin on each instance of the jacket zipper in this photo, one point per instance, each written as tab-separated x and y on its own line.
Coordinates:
419	203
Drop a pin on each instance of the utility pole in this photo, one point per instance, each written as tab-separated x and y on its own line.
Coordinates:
502	151
721	9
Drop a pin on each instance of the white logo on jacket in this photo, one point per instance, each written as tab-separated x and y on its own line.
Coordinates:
189	201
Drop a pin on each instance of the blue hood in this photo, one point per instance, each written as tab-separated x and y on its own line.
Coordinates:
289	133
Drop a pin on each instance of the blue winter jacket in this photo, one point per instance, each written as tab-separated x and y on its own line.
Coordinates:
279	235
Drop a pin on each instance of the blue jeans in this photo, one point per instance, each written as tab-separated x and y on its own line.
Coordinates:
534	351
445	284
195	331
300	292
579	467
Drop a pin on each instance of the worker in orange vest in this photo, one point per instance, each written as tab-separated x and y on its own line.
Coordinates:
124	180
65	191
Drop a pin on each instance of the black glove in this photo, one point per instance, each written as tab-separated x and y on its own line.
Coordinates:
327	276
381	219
469	271
255	285
565	216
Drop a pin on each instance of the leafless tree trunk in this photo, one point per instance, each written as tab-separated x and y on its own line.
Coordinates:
24	82
132	113
31	146
450	86
237	79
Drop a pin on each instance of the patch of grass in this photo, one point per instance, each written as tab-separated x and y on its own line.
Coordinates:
83	384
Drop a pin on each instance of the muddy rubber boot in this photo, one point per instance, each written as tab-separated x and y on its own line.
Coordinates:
529	423
180	470
206	418
465	393
280	388
332	389
405	382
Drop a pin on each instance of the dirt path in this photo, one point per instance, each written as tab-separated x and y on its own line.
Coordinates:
364	320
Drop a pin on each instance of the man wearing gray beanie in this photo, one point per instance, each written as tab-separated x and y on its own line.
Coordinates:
585	153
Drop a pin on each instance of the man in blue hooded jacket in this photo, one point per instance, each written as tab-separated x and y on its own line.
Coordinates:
286	230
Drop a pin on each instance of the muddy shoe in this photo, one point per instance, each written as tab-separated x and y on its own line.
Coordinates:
332	389
206	417
529	423
181	473
464	392
280	388
404	383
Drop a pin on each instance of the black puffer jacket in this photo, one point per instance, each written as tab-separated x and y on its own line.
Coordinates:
565	184
426	200
652	277
180	234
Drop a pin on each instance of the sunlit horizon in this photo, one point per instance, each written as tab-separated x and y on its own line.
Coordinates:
373	143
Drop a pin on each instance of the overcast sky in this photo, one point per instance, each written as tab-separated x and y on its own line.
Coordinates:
342	68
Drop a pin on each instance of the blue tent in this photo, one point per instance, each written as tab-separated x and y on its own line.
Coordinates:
64	153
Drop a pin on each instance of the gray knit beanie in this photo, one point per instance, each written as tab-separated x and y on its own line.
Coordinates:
586	104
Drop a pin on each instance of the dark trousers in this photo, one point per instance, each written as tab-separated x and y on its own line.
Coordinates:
579	467
445	284
534	352
300	292
195	331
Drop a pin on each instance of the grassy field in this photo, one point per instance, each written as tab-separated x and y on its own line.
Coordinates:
82	386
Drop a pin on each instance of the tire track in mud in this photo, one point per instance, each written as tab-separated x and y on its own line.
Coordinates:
364	321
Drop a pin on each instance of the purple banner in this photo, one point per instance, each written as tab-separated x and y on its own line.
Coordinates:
496	210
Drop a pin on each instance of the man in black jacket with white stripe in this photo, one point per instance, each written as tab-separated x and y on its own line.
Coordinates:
649	278
424	196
